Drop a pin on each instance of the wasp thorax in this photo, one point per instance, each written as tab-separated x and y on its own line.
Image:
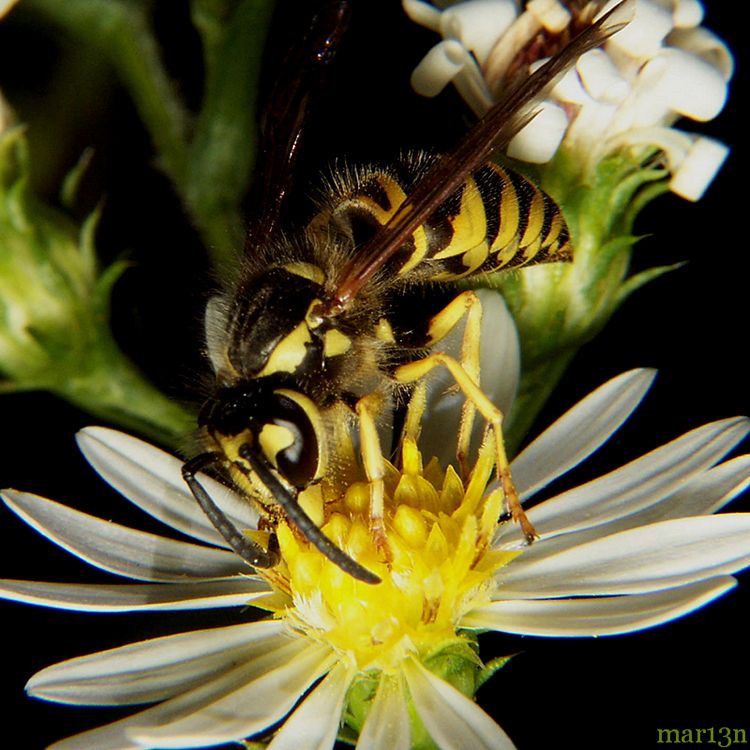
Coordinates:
255	422
270	333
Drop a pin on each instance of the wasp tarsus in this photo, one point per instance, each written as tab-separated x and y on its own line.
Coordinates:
248	550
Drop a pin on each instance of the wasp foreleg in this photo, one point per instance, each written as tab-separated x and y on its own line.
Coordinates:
302	521
247	549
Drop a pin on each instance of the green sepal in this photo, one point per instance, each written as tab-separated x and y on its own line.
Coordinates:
54	312
72	180
491	667
644	277
358	701
456	661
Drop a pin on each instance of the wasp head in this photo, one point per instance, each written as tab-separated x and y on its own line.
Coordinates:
278	426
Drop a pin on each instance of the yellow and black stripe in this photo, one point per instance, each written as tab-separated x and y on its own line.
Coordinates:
496	219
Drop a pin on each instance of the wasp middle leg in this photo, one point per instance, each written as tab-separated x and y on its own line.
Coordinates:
465	373
374	465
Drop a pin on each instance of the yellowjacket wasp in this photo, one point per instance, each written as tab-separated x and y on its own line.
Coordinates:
325	330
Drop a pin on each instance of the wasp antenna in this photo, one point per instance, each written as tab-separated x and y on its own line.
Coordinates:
303	522
247	549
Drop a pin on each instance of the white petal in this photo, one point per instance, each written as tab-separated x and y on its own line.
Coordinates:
253	699
87	597
452	720
315	724
580	431
703	495
152	479
439	67
593	123
552	14
648	103
719	486
595	616
472	87
6	5
387	724
643	36
216	327
118	735
638	484
422	13
478	24
155	669
624	14
697	171
570	88
687	13
108	737
689	85
118	549
662	555
500	362
674	83
705	44
538	141
601	77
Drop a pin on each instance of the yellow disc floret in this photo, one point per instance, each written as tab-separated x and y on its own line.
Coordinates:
435	564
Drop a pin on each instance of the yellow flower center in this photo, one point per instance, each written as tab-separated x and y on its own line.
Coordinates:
434	559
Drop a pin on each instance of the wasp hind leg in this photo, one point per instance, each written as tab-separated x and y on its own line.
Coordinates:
466	373
465	306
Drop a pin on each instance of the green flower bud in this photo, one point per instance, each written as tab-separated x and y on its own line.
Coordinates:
54	310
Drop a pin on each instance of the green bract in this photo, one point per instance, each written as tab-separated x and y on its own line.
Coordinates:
54	329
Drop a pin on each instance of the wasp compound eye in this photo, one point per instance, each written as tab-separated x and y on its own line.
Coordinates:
282	425
289	440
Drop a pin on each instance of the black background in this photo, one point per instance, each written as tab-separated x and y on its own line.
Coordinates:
594	693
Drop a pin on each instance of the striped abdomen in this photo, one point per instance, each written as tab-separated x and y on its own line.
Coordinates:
497	219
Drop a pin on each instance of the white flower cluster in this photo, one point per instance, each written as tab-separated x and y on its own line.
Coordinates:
662	66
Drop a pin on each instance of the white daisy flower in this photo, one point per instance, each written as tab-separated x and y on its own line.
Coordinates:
634	548
626	95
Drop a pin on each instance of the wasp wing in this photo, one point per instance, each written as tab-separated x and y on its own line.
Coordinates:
449	173
301	76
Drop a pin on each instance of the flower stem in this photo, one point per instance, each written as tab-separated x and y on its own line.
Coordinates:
112	388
